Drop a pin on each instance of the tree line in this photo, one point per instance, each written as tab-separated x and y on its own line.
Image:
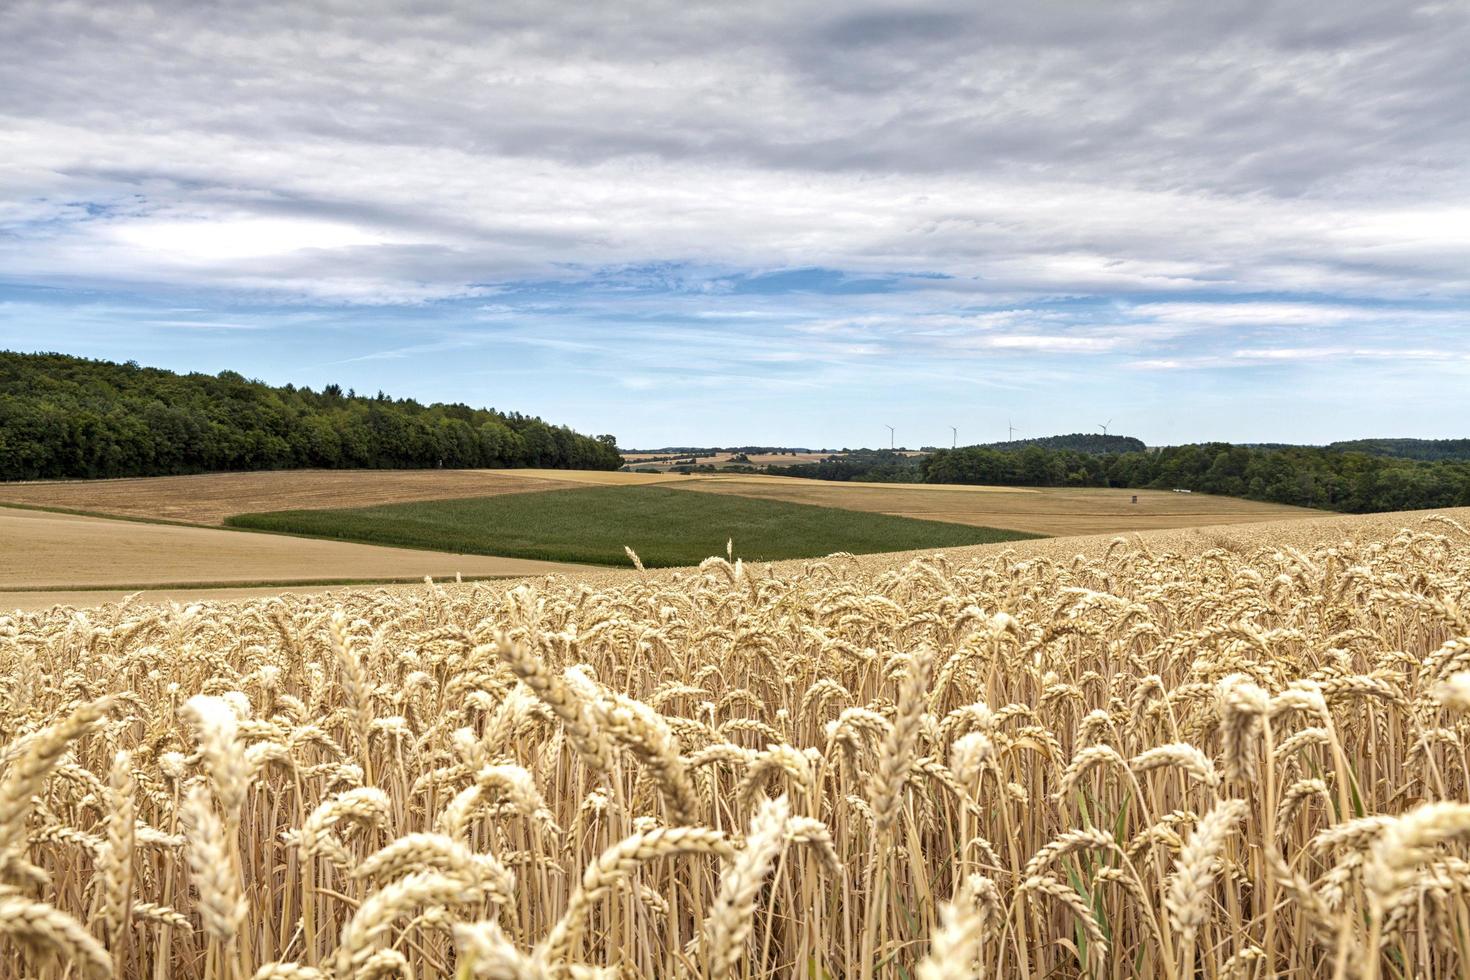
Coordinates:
1408	448
1081	442
1304	476
70	417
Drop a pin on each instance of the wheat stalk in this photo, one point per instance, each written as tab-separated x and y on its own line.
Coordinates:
1188	899
733	914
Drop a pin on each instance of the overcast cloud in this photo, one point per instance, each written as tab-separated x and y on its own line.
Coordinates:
786	222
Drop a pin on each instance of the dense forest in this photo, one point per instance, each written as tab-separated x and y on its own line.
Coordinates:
1305	476
1430	449
66	417
1077	442
673	451
869	465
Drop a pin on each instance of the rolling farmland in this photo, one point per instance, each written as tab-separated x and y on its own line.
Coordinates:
56	555
210	498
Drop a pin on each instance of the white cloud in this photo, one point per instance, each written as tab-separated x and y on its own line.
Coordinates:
1159	148
1296	314
228	239
1049	344
1298	354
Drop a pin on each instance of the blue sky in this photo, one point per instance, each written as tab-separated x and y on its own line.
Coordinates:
787	224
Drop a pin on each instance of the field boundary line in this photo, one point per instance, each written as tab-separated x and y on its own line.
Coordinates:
269	584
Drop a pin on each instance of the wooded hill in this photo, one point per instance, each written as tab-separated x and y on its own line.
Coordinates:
1429	449
1305	476
1076	442
1302	475
63	417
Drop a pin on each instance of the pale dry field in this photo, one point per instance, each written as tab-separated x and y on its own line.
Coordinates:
1236	761
767	459
66	551
211	497
598	478
1046	510
641	459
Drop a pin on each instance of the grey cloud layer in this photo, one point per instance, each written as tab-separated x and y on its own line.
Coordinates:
1275	96
1052	148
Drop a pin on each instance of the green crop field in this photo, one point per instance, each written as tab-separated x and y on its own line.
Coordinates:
592	525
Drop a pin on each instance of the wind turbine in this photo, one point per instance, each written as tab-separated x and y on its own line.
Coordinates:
890	435
1105	425
955	441
1010	431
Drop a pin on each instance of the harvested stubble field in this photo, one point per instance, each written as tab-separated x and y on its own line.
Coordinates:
209	498
1243	760
45	551
1060	511
600	478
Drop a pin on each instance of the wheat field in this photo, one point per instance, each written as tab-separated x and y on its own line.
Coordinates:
1242	761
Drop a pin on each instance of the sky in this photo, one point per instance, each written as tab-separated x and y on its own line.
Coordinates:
783	223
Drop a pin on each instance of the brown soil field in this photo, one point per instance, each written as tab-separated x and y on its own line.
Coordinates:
1051	511
211	497
65	551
